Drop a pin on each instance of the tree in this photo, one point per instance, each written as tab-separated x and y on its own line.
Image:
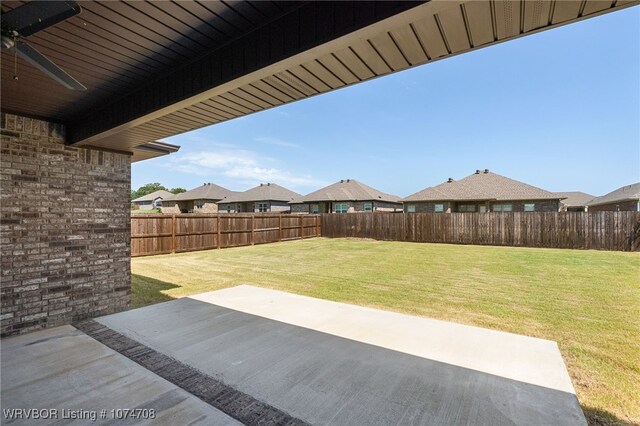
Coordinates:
177	190
146	189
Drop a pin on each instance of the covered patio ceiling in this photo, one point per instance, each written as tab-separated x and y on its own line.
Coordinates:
154	70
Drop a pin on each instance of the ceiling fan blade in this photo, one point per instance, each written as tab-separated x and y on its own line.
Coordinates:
38	60
37	15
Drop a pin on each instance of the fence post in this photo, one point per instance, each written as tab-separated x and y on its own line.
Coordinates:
279	227
253	229
173	233
404	226
301	229
219	241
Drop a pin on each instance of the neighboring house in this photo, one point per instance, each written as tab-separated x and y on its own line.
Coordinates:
625	199
483	191
151	201
574	201
265	198
346	196
202	199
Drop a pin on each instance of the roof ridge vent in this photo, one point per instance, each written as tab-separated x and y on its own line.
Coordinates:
348	180
261	184
477	171
341	180
449	180
486	171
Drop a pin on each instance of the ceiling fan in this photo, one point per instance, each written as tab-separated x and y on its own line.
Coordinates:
30	18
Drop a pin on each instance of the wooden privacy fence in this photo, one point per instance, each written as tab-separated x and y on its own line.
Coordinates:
600	230
160	234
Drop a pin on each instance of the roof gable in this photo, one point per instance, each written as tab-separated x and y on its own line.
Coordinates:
625	193
482	185
348	190
208	191
575	198
154	195
263	192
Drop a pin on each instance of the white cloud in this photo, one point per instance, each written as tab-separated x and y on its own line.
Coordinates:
241	167
276	142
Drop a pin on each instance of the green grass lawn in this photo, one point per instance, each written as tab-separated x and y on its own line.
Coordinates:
587	301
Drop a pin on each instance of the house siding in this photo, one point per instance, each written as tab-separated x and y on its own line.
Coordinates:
278	207
65	228
252	207
170	207
517	205
176	207
144	205
353	206
624	206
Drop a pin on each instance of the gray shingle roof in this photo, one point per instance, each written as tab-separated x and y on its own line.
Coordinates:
625	193
208	191
347	190
156	194
484	185
575	198
263	192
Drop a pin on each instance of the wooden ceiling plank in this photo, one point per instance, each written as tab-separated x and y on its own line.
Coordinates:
197	16
507	18
125	21
479	18
218	17
367	54
123	36
338	69
405	38
384	45
300	85
237	102
310	79
454	28
429	34
197	118
321	73
78	55
228	107
178	20
211	111
275	90
536	14
257	97
246	99
594	6
565	10
353	62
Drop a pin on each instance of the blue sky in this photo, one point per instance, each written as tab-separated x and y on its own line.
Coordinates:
559	110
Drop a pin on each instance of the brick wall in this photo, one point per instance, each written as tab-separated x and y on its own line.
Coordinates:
623	206
516	206
65	228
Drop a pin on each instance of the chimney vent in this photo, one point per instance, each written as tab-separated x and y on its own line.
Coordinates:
450	180
486	170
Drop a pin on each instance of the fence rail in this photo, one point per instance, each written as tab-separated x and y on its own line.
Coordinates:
599	230
160	234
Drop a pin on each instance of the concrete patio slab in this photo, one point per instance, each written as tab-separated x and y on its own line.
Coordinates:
331	363
79	378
